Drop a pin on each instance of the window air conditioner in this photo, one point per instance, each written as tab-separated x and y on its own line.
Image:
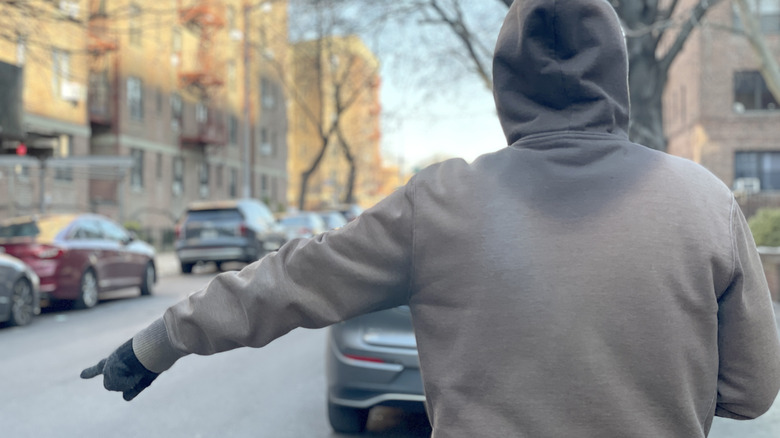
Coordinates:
71	91
747	185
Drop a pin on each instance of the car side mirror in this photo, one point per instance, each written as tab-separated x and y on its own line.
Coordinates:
131	237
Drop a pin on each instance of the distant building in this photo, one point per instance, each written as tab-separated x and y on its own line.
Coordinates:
718	110
47	44
319	69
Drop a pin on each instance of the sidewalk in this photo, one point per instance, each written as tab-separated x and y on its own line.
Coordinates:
167	264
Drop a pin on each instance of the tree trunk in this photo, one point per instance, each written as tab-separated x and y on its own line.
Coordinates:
646	81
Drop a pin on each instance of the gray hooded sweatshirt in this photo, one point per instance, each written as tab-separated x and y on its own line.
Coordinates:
572	284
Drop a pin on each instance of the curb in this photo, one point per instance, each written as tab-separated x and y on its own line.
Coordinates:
167	264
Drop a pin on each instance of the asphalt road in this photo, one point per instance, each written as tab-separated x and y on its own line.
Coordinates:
277	391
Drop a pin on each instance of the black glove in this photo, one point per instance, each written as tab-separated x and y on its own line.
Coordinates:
122	372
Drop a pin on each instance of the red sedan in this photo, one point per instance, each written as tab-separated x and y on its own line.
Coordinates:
79	256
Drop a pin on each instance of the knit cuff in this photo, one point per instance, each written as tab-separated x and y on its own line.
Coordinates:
153	348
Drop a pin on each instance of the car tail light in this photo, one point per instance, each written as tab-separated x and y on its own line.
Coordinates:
242	229
47	252
177	231
306	230
364	358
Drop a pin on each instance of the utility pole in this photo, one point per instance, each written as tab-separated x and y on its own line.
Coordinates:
246	191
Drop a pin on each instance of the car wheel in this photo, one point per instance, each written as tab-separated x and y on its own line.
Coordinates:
88	297
22	305
220	266
186	268
150	276
344	419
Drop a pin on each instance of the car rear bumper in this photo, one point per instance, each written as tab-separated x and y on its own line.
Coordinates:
214	254
363	384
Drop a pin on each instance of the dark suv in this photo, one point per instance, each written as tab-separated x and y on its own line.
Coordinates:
240	230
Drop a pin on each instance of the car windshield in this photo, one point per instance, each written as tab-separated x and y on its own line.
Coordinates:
220	215
296	221
45	229
22	229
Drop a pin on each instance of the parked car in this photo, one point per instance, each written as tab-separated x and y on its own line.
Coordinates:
371	361
241	230
350	211
333	219
303	224
20	297
79	256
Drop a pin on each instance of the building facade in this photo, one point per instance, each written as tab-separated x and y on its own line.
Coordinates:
155	105
43	111
718	110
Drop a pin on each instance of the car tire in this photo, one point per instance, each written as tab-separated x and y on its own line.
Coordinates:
220	266
88	295
150	277
186	268
344	419
22	305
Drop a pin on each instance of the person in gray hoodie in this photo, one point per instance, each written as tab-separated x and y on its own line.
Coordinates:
570	284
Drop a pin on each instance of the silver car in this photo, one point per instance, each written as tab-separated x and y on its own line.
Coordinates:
241	230
19	292
372	361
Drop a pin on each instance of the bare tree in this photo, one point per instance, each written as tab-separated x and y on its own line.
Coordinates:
329	76
646	24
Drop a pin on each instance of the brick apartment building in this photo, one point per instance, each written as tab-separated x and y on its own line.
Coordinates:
139	107
718	110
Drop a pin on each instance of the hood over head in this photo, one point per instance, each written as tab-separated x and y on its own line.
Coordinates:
561	65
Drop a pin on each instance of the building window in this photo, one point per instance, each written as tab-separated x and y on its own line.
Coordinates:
751	92
137	172
233	129
219	170
135	28
267	93
176	111
159	101
64	150
232	190
201	113
266	147
264	186
177	186
158	167
135	98
204	180
767	13
21	50
763	166
60	70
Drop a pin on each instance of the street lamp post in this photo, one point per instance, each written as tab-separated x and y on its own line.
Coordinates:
246	191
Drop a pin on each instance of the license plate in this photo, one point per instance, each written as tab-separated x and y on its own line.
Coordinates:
208	234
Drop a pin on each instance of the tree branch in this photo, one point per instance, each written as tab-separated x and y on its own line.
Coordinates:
687	28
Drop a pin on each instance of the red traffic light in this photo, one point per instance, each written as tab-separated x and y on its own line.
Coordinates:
21	149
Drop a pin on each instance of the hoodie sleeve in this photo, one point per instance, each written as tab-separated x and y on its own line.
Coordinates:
312	283
749	350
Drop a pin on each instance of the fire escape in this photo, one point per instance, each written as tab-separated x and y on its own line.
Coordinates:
205	18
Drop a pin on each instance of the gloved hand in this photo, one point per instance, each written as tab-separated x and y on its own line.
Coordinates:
122	372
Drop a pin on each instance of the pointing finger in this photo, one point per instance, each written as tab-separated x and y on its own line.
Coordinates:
93	370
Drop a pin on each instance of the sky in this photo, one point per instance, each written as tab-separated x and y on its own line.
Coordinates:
464	125
432	106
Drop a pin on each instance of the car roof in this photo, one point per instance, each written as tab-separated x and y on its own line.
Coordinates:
216	205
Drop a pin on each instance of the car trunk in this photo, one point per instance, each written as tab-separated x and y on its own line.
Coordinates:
212	224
